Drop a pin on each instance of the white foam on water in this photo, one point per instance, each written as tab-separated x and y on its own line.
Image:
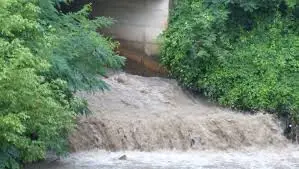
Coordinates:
142	116
268	158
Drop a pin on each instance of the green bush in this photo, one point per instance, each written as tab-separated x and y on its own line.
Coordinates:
243	54
77	52
45	56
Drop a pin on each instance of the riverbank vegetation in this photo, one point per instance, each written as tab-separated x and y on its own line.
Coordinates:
46	56
240	53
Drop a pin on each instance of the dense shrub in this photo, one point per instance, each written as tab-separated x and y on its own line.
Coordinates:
78	52
45	56
244	54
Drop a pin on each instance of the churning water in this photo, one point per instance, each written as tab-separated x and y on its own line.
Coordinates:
151	113
267	158
156	124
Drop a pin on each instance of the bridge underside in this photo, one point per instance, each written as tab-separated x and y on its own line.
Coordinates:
138	24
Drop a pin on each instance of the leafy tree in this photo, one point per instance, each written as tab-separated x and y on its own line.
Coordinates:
45	56
78	52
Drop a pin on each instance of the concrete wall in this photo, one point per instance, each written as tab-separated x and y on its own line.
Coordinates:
138	22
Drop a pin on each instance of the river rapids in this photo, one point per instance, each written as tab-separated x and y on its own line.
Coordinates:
156	124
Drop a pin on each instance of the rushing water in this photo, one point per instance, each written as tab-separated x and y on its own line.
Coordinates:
150	113
141	116
276	158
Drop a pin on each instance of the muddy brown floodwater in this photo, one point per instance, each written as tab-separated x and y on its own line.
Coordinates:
156	124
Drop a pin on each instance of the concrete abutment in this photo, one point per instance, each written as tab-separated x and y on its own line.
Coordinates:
138	26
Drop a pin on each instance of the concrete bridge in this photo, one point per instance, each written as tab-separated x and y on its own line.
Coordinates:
138	25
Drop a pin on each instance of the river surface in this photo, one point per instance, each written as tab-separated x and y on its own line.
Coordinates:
268	158
141	116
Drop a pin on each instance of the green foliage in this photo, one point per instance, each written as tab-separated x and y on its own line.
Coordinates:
262	74
45	56
78	53
244	54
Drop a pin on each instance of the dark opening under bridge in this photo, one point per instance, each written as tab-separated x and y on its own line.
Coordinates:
138	25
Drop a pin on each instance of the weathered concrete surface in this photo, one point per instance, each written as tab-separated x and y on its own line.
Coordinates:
138	22
138	25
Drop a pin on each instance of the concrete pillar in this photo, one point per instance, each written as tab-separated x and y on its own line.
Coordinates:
138	22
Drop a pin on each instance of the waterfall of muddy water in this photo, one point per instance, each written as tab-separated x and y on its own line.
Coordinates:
151	113
157	125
